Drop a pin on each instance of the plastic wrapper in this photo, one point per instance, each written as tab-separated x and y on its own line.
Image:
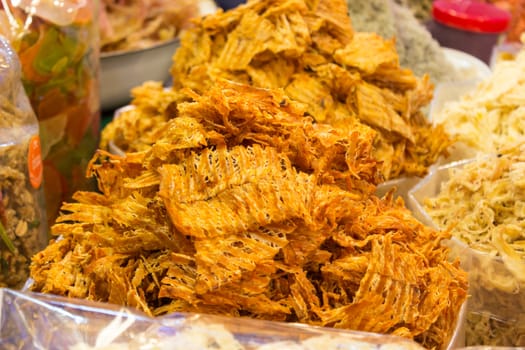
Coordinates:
496	305
81	325
23	231
58	45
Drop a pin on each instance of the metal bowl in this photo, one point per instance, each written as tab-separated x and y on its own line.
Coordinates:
120	71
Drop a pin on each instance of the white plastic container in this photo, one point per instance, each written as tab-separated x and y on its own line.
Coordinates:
495	314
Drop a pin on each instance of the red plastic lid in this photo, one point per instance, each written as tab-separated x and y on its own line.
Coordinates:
470	15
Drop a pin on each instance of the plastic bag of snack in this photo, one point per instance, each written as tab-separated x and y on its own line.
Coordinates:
73	324
58	46
23	231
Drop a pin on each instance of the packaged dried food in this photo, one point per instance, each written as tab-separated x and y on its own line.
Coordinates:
58	46
481	202
23	231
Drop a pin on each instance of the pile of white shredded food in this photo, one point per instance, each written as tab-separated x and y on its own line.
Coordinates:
491	116
483	204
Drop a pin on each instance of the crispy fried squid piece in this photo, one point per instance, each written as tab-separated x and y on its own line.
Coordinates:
236	194
246	115
236	191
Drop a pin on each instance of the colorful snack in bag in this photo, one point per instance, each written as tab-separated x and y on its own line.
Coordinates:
22	213
58	49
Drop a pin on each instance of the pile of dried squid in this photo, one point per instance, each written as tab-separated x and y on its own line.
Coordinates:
237	200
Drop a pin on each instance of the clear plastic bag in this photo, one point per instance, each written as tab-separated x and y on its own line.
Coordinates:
23	229
37	321
57	43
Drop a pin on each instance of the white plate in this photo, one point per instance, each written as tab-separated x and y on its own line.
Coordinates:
468	66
